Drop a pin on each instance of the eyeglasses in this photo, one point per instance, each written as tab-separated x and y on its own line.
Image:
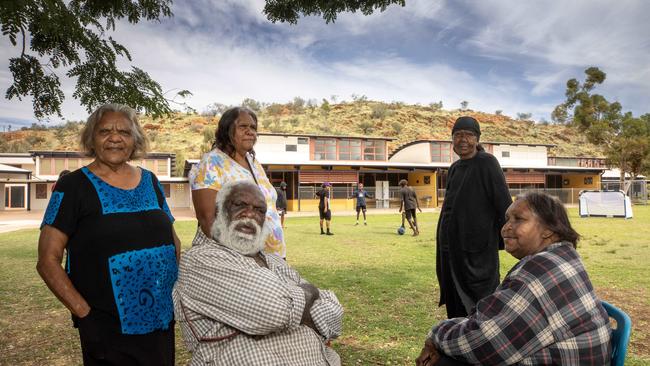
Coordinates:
462	134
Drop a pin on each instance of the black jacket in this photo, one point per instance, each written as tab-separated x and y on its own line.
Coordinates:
473	224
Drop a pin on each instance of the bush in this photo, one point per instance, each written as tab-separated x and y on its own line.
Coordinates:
34	140
298	105
397	127
379	111
208	134
252	104
196	127
274	109
435	106
366	126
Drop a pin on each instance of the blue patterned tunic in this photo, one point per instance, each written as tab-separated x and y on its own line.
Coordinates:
120	250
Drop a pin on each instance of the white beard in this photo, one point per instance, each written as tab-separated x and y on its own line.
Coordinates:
243	243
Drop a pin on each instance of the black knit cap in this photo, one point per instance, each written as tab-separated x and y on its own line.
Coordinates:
468	124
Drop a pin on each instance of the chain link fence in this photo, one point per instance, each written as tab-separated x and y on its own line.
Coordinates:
638	190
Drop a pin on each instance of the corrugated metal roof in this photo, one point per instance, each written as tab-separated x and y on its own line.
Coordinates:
12	169
16	160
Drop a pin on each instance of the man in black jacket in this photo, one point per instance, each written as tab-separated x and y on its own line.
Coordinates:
281	202
473	212
324	207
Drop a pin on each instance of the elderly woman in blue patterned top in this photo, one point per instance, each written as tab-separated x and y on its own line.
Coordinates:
112	220
545	311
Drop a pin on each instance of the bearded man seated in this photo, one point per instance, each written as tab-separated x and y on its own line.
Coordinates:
237	305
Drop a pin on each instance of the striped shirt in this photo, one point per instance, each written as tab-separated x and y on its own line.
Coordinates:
231	311
545	312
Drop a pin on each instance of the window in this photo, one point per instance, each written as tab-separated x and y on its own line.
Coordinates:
350	150
41	191
73	164
162	167
59	165
441	152
505	154
303	141
46	166
148	164
324	149
167	189
374	150
291	148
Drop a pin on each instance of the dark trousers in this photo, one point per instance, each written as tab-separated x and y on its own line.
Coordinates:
448	292
102	348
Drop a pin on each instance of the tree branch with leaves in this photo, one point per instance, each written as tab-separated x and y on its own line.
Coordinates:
73	35
624	138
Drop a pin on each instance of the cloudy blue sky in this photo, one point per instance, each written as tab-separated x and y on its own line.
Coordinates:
513	56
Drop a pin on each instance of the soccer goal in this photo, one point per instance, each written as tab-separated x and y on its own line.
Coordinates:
605	204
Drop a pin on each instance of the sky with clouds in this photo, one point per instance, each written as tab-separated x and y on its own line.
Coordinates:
514	56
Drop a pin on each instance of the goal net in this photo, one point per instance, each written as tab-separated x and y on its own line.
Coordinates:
605	204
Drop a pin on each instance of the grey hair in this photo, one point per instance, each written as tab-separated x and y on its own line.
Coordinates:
226	190
88	132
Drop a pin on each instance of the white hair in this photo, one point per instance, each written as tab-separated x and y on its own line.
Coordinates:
223	228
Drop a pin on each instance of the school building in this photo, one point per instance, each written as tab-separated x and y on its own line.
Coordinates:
305	161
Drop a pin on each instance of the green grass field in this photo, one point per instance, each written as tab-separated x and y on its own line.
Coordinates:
385	282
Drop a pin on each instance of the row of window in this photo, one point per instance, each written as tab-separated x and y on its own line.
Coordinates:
53	166
347	149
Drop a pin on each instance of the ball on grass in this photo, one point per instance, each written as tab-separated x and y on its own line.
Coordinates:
401	230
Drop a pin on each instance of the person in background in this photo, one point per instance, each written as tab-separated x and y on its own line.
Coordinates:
232	158
122	251
473	211
237	305
544	312
281	202
408	203
324	211
361	194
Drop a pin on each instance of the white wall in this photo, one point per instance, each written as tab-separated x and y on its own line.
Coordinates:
521	155
273	149
179	195
416	153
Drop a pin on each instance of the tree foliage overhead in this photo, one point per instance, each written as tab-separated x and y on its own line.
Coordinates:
52	34
626	139
290	10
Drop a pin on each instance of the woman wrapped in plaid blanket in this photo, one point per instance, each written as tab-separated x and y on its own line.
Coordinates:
545	311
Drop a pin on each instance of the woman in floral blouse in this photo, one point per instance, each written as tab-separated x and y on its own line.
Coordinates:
232	158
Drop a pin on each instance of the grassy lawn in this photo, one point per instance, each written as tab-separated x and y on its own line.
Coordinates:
386	283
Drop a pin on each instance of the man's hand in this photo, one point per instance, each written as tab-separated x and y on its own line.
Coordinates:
428	356
311	295
420	209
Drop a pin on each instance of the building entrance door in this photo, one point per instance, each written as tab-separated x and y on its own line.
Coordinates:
15	196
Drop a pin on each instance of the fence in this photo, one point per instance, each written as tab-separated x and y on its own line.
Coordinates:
638	193
309	192
568	196
638	190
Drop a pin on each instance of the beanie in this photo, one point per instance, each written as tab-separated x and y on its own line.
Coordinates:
468	124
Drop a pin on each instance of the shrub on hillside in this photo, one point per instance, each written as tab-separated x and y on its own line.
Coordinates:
366	126
397	127
379	111
208	134
274	109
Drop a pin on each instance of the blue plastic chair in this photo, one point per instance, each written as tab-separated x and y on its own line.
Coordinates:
620	335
